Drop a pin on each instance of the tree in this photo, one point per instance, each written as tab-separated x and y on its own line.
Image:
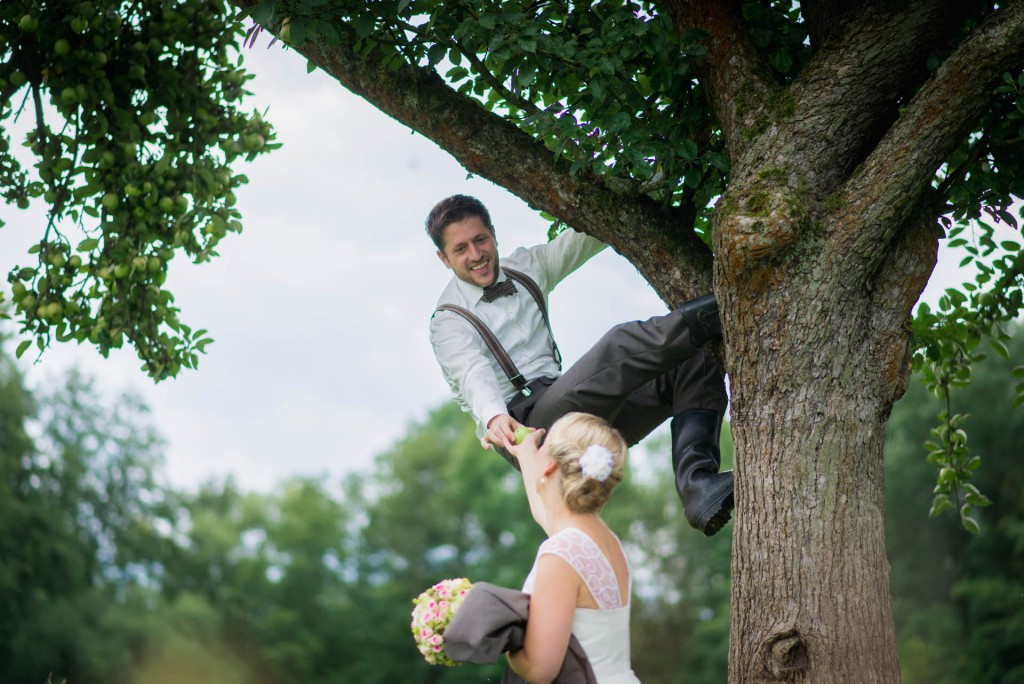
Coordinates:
802	161
134	123
79	513
436	506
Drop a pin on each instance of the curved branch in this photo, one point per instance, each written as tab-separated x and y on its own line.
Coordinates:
825	18
734	73
881	196
846	98
661	244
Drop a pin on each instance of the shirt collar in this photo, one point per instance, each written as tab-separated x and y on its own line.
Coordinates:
471	292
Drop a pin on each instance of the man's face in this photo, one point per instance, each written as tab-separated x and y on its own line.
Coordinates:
470	251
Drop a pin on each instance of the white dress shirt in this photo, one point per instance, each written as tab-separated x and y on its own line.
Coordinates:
477	381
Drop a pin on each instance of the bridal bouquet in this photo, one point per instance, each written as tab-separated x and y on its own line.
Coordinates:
434	609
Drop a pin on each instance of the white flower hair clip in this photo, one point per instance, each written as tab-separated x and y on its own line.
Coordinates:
596	462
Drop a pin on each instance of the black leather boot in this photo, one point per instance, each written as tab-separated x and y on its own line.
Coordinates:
706	493
701	316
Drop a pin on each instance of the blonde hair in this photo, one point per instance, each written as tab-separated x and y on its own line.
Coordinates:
568	438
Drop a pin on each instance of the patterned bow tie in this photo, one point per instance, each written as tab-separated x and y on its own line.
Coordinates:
502	289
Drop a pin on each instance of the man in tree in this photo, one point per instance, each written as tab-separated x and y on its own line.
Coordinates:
638	375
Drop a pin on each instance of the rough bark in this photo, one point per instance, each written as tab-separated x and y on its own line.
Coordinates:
817	294
735	75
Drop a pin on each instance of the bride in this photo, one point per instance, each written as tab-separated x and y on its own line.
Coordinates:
580	581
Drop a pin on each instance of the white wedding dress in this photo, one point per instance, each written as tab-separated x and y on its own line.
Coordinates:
603	632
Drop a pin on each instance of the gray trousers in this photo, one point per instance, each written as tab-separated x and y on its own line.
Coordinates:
638	375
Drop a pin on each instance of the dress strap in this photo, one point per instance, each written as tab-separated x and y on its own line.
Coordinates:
576	548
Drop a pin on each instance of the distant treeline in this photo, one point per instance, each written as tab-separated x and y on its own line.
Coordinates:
110	576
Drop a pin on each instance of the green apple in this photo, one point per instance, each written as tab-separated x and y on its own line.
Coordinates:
521	432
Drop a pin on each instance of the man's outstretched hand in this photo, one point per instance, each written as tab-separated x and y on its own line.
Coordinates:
500	429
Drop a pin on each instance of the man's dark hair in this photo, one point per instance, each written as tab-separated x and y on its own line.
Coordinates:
452	210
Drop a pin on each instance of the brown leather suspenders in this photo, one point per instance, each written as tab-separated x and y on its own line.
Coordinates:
502	357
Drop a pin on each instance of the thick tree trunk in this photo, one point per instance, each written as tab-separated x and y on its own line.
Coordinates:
816	359
810	600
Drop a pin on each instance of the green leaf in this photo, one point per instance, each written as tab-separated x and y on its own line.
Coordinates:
436	53
970	524
21	348
1000	348
940	504
688	150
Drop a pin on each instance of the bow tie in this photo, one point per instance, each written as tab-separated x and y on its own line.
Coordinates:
503	289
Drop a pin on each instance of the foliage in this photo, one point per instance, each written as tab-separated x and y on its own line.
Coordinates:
80	505
134	123
949	588
137	125
579	77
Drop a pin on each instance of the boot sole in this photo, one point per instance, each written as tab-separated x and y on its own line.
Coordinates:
718	514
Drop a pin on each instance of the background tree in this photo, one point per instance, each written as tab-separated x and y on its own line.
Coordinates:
950	588
80	508
312	582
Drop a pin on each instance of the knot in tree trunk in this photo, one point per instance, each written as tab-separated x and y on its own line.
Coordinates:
786	657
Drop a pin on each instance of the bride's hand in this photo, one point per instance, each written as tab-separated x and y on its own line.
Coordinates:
529	445
526	451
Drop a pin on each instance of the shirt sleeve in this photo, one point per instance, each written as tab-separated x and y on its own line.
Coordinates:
465	364
568	251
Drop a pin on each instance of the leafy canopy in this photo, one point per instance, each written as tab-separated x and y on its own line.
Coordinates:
133	120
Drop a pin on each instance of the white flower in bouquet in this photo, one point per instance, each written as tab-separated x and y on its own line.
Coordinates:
433	610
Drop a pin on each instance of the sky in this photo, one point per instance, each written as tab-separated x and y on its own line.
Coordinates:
319	309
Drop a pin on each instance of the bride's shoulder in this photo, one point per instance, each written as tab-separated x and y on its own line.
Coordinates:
569	538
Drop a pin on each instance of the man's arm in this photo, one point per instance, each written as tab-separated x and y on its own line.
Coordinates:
568	251
466	366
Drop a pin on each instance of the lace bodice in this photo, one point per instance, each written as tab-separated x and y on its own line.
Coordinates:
577	549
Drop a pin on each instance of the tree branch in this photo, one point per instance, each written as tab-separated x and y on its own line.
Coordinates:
734	74
825	18
881	196
846	97
660	243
